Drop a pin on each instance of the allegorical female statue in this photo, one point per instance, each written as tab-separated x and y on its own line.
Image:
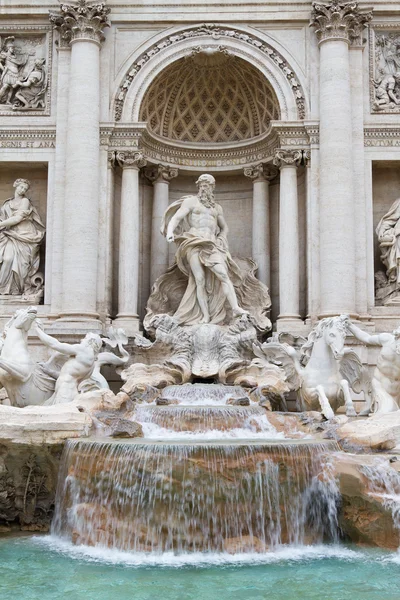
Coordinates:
205	284
21	232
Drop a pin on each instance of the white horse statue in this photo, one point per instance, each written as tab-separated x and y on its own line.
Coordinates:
25	381
324	372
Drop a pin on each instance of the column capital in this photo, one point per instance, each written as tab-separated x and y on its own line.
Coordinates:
338	20
157	173
287	158
81	21
130	160
307	158
261	172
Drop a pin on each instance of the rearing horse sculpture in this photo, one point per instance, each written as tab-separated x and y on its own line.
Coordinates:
25	381
325	370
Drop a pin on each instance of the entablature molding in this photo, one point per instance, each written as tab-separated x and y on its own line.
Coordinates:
382	137
28	138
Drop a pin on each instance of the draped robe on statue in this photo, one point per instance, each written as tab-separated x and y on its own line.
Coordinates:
389	226
19	248
174	292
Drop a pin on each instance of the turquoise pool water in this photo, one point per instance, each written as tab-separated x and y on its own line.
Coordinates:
44	569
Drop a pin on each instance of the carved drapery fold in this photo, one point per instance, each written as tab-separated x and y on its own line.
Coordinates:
81	21
339	21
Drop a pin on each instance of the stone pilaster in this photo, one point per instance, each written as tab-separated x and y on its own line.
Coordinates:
261	175
289	267
336	24
81	26
129	241
160	176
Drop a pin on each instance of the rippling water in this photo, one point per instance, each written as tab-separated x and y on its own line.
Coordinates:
43	568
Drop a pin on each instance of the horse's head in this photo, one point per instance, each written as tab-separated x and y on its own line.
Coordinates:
332	331
23	318
334	334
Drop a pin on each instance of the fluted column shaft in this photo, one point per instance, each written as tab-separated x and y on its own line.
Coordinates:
335	24
289	266
161	177
129	241
82	27
261	175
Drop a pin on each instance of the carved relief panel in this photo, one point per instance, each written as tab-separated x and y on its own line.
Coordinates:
25	67
385	69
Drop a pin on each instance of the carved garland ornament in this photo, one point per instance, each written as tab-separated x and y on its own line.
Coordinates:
215	32
81	21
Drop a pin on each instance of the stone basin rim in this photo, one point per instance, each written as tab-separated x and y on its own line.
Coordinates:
211	443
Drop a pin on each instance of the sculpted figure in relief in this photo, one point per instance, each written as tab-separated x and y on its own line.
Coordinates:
386	79
385	382
205	285
21	232
79	366
11	63
29	91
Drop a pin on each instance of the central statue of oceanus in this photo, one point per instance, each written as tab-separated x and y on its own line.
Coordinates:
205	284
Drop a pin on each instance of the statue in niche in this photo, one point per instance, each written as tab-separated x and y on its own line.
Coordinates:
21	233
205	284
388	232
23	77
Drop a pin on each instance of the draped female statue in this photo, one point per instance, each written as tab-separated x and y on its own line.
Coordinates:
21	232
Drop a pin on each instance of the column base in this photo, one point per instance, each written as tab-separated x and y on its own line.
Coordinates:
291	324
77	323
129	323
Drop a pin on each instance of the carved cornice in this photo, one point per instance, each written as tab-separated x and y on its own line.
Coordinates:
160	173
130	160
83	21
339	21
261	172
215	32
288	158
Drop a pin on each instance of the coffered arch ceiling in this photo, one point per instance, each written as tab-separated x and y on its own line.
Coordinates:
209	97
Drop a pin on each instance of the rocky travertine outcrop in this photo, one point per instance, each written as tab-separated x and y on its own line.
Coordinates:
368	485
378	432
31	444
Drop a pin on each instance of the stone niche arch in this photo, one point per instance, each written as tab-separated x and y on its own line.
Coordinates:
254	47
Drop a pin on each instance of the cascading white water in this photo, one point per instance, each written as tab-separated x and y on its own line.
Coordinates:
205	422
202	393
384	484
158	497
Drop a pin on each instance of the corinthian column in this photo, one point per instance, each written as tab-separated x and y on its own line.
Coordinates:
289	269
82	27
160	177
336	24
129	238
261	175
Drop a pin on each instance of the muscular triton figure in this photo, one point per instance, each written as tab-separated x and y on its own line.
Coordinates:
386	378
198	226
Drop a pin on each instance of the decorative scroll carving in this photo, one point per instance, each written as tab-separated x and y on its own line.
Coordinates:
215	32
82	21
161	173
23	73
385	71
261	172
285	158
130	159
339	21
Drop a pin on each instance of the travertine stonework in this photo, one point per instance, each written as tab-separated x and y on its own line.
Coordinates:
112	115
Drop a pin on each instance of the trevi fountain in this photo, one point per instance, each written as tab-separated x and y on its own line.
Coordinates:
199	300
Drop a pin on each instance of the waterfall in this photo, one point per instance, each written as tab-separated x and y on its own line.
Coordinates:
202	393
384	484
205	422
196	497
